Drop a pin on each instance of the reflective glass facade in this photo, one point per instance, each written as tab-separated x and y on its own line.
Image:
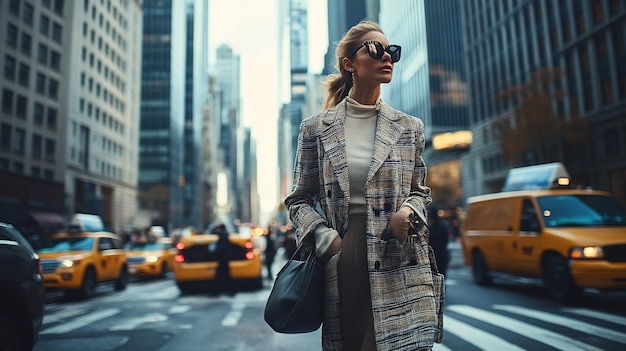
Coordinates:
162	116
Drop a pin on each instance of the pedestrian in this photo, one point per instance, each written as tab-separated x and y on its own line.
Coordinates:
439	238
223	279
359	170
270	253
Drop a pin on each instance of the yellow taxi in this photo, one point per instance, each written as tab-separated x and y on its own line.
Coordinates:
150	258
569	237
77	261
195	263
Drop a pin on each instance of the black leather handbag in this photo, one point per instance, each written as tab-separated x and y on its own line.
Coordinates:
296	302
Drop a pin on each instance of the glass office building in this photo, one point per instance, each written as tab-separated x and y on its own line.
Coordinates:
161	137
509	41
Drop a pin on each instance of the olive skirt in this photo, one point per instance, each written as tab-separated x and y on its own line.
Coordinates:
357	321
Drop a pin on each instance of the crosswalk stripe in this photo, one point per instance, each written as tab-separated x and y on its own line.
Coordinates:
81	321
541	335
565	322
476	336
596	314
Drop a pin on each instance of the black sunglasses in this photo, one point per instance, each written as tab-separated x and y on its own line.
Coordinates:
376	50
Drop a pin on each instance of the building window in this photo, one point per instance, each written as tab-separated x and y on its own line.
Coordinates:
11	35
58	7
5	137
35	172
21	107
14	7
7	101
44	25
26	44
57	32
42	54
55	60
23	77
40	83
27	13
37	146
48	174
51	120
18	144
598	11
38	114
9	67
50	150
53	88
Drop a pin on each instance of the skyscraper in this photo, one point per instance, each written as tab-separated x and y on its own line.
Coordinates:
196	90
161	170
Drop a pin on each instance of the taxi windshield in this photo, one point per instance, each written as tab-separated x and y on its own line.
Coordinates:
68	244
581	211
140	246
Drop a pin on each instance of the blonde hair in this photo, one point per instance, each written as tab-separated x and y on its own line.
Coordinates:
339	84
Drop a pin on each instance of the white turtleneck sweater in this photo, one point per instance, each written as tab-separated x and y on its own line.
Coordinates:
360	131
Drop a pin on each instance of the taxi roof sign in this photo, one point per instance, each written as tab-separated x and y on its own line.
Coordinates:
544	176
88	222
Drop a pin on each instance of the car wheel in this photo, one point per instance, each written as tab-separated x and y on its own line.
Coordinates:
480	270
122	280
88	289
15	332
558	279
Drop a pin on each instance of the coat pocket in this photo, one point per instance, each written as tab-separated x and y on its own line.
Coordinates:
407	299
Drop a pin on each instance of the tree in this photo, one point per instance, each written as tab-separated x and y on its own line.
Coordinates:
544	121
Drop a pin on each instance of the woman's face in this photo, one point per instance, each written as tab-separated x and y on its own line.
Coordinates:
368	71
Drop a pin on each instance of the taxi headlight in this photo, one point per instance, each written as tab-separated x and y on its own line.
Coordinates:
67	263
151	259
587	252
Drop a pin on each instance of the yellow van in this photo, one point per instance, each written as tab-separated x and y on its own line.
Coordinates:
570	238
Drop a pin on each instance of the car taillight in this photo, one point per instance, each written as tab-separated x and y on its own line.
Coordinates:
179	258
180	246
38	264
249	250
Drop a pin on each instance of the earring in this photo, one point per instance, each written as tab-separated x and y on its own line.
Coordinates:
352	73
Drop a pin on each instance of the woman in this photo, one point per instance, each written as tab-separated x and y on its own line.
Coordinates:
359	171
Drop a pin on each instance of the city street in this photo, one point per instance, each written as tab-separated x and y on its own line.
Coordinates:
152	315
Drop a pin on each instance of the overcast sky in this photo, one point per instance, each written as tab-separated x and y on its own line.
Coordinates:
250	28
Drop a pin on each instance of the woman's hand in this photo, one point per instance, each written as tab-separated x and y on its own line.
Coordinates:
334	248
399	223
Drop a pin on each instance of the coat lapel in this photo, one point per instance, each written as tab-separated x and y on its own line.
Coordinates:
333	139
388	132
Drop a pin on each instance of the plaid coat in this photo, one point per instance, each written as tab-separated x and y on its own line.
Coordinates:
407	296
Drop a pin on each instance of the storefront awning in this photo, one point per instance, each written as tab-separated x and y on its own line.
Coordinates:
48	219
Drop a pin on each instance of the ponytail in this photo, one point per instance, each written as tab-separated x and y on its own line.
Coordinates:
338	85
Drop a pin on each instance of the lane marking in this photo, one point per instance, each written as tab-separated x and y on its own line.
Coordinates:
81	321
234	315
133	323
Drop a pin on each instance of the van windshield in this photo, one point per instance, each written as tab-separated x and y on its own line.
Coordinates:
581	210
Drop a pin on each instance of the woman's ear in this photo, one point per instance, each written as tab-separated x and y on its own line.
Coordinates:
347	64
